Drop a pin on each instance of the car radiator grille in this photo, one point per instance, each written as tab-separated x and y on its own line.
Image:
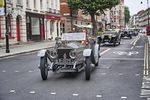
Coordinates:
63	53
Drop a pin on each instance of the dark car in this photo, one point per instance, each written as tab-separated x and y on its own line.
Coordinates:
70	55
126	34
111	37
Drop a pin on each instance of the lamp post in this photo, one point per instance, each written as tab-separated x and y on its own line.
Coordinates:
7	30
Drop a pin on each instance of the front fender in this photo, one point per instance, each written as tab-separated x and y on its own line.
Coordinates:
41	53
96	52
87	52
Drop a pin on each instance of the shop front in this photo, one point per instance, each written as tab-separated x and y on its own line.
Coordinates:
35	26
52	26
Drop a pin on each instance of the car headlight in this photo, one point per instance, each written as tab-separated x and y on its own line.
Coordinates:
109	36
113	35
73	54
53	54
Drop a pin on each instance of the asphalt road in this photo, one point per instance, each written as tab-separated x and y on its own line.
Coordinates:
119	76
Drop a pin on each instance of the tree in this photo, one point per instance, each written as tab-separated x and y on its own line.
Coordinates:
127	15
92	7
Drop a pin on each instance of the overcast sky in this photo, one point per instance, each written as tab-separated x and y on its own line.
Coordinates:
135	5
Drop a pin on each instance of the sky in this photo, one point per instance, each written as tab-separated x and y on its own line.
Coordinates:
135	5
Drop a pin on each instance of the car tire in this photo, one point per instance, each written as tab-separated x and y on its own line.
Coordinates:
130	37
114	44
119	43
87	68
43	67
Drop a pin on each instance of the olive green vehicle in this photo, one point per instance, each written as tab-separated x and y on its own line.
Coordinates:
111	37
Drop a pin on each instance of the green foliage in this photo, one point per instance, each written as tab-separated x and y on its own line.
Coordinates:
127	14
92	7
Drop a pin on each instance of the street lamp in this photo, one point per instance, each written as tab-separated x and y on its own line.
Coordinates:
7	30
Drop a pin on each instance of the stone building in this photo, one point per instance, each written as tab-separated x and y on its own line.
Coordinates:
31	20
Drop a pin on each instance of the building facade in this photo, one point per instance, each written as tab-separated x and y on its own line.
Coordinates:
72	19
31	20
117	16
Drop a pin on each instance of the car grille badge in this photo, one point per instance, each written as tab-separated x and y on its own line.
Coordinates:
65	55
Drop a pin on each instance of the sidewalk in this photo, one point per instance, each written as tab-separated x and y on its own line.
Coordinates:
25	47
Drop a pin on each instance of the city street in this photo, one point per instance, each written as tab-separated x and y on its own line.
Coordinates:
119	76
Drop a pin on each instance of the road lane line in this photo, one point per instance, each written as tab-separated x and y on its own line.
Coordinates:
99	96
133	41
122	59
105	51
147	60
75	94
32	92
12	91
123	97
4	71
146	68
53	93
132	47
136	40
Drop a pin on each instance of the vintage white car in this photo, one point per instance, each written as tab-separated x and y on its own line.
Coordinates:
70	55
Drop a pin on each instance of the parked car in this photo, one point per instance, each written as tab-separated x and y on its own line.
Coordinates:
111	37
70	55
126	34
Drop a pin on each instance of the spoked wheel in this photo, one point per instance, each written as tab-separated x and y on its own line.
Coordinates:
44	67
114	44
87	68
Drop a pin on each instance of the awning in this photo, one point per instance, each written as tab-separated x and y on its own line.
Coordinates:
83	26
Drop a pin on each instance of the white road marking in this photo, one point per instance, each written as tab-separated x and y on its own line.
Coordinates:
99	96
16	71
133	41
103	73
123	97
12	91
120	74
130	53
122	59
139	46
137	74
132	48
105	51
53	93
75	94
143	83
136	40
4	71
30	71
147	82
32	92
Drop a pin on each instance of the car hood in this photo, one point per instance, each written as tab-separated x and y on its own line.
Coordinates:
72	45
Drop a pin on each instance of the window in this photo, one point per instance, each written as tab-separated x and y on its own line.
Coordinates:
35	26
35	4
51	28
19	2
41	4
9	1
27	3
